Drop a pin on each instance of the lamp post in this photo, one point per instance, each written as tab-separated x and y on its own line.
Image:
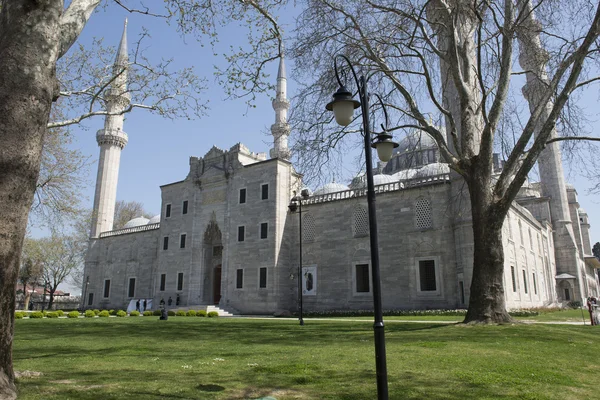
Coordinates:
343	105
296	204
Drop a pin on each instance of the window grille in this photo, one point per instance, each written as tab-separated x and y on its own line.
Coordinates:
423	214
361	222
308	228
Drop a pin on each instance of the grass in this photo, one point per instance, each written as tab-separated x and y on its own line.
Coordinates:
199	358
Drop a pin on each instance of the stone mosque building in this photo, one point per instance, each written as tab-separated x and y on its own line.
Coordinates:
226	237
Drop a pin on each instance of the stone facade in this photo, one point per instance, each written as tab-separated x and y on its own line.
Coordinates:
225	236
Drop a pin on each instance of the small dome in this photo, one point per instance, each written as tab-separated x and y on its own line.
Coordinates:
154	220
332	187
139	221
406	174
360	181
433	169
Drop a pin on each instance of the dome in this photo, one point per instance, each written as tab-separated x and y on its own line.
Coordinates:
360	181
139	221
433	169
406	174
332	187
154	220
415	140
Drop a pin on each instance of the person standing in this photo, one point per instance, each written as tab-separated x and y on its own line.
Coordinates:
137	305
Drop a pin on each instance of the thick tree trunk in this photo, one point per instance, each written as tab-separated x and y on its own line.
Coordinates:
486	303
29	37
51	302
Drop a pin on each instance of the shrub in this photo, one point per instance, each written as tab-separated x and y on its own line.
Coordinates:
121	313
103	314
156	312
52	315
201	313
36	314
171	313
213	314
73	314
19	315
89	314
134	313
60	313
112	312
96	311
148	313
180	313
191	313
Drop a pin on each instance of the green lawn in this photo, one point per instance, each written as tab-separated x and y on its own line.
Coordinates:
200	358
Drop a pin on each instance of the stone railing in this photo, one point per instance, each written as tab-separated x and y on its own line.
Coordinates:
383	188
141	228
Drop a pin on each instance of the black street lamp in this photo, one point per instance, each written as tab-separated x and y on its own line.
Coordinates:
343	106
296	204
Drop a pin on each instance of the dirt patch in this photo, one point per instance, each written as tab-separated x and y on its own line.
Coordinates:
64	381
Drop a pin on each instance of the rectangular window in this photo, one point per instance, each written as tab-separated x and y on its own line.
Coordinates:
182	241
106	288
362	278
241	233
264	229
534	283
262	278
131	290
461	286
242	196
514	278
166	243
180	281
239	279
163	281
168	211
427	275
264	189
184	208
525	281
90	299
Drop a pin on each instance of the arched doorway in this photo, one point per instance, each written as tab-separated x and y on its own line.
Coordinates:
213	255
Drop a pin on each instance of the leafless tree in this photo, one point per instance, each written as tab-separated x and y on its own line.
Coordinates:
460	64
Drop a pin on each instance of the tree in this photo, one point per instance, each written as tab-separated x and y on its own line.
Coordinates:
35	35
128	210
450	63
596	250
30	273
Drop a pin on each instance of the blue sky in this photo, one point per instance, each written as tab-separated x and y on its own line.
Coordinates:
158	150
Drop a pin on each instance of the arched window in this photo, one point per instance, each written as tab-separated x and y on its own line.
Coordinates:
423	213
360	228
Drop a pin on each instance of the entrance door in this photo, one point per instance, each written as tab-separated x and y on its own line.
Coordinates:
217	285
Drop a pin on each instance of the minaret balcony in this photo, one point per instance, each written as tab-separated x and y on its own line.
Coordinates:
112	136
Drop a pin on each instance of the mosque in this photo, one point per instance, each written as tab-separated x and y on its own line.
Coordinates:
226	237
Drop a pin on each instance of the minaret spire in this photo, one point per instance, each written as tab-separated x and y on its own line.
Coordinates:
111	140
281	129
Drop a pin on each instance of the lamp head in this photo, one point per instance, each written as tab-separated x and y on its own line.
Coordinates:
343	106
293	205
385	146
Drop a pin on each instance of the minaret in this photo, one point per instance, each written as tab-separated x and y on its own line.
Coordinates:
111	140
533	58
281	129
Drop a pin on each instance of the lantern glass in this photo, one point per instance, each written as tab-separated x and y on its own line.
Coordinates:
343	111
385	150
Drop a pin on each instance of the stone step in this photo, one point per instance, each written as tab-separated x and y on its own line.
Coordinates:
206	307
